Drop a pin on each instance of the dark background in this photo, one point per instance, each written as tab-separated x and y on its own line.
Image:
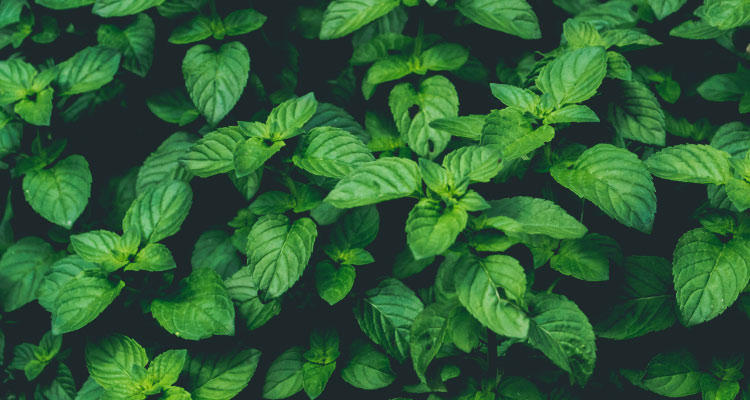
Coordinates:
121	134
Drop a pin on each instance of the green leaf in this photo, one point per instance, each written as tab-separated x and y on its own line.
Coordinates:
315	377
333	283
738	192
10	11
192	30
163	164
436	98
158	212
477	286
475	163
517	388
287	119
533	216
154	257
726	14
102	247
173	106
16	77
385	314
637	114
64	4
469	126
696	163
716	389
616	181
386	178
645	301
22	269
511	132
708	274
331	152
88	70
563	333
357	228
465	330
222	376
278	252
80	300
59	194
571	113
58	275
523	100
663	8
284	376
618	67
37	111
166	367
431	228
241	22
343	17
574	76
673	374
215	79
135	43
368	368
214	250
725	87
244	293
111	361
249	156
119	8
213	153
696	30
514	17
273	202
586	258
427	335
443	57
199	309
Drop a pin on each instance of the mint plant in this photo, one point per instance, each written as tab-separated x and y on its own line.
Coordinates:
377	199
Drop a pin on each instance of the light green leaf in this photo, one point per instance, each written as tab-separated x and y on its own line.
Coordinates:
618	67
222	376
64	4
696	30
272	202
101	247
111	362
315	377
331	152
475	163
443	57
278	252
192	30
574	76
511	132
436	98
571	113
384	70
284	376
119	8
333	283
469	126
213	153
637	114
215	79
158	212
36	111
738	192
734	138
154	257
287	119
88	70
663	8
135	43
22	269
59	274
249	155
477	289
199	309
708	274
561	331
356	229
386	178
368	368
165	368
586	258
533	216
163	165
717	389
696	163
514	17
645	300
726	14
465	330
431	228
523	100
173	106
616	181
517	388
16	77
385	314
725	87
343	17
59	194
673	374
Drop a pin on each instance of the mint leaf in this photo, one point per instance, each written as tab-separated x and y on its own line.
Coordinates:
163	164
432	228
514	17
244	293
64	4
333	283
173	106
60	193
663	8
574	76
427	335
215	79
158	212
220	376
110	362
119	8
135	43
616	181
674	374
368	368
88	70
696	163
243	21
638	115
284	376
331	152
343	17
377	181
533	216
80	300
22	268
192	30
250	155
213	153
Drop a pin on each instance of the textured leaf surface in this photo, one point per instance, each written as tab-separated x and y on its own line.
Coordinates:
119	8
135	42
214	153
60	193
575	76
373	182
284	376
696	163
163	164
510	16
89	69
158	212
368	368
331	152
111	361
533	216
673	374
81	300
616	181
222	376
637	114
22	268
343	17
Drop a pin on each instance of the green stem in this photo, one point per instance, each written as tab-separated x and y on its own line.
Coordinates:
418	41
583	207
